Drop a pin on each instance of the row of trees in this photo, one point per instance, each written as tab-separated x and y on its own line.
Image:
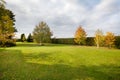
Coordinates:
42	34
7	22
100	39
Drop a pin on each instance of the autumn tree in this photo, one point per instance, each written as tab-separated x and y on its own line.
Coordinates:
23	38
7	28
110	39
30	38
80	36
42	33
99	38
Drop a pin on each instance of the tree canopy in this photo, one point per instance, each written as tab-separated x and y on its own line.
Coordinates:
7	22
110	39
42	33
80	36
99	38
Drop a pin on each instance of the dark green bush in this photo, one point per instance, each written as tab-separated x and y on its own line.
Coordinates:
8	43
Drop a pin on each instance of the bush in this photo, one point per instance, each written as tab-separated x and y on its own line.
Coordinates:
8	43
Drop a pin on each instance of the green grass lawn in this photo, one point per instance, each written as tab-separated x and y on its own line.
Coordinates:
28	61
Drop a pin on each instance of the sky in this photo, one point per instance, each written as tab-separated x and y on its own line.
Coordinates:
65	16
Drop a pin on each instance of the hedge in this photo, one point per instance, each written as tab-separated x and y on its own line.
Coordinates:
89	41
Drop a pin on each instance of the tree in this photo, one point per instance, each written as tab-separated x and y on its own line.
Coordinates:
109	39
7	29
30	38
23	38
80	36
99	38
42	33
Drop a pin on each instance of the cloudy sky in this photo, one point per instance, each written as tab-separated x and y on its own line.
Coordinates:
64	16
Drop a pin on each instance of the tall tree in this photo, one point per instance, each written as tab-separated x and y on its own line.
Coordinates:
99	38
42	33
7	28
23	38
110	39
80	36
30	38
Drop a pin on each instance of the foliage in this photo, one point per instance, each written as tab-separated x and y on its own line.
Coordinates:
2	3
99	38
23	38
80	36
63	40
7	29
110	39
117	42
42	33
30	38
90	41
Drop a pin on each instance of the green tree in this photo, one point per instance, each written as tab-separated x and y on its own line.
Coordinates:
30	38
42	33
23	38
99	38
110	39
80	36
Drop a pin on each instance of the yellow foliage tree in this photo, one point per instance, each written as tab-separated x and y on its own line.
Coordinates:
80	36
99	38
109	39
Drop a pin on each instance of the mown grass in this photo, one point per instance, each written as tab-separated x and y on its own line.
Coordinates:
29	61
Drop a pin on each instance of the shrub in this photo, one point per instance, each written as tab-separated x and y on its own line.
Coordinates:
7	43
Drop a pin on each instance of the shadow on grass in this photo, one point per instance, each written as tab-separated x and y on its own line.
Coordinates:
13	66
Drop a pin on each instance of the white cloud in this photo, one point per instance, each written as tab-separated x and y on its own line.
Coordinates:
64	16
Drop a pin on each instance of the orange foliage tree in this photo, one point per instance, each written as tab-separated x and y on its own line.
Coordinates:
109	39
80	36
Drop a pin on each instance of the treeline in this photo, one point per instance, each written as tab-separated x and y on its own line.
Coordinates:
88	42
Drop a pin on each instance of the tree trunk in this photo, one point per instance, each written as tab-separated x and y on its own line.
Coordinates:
98	46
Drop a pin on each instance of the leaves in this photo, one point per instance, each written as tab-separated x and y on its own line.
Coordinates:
99	38
109	39
80	36
42	33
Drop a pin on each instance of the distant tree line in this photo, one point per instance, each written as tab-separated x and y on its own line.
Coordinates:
42	34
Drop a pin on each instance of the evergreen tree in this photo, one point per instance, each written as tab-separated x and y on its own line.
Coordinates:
30	38
41	33
23	38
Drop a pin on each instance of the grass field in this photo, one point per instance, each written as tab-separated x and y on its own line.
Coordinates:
58	62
